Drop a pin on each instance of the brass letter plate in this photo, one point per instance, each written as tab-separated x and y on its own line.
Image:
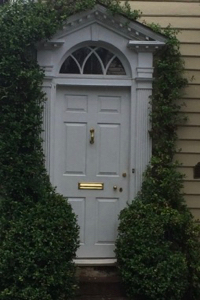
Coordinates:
90	186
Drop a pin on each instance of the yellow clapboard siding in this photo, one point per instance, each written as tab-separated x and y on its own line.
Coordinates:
193	201
192	63
189	36
192	91
192	118
188	172
190	49
190	105
192	76
196	213
187	160
166	8
176	22
188	146
172	1
184	15
189	132
191	187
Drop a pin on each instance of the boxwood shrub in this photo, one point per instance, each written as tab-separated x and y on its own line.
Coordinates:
37	245
38	230
158	248
158	252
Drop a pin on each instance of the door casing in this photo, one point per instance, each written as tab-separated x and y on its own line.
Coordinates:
105	160
134	44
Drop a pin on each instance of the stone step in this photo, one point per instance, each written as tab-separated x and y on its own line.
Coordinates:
99	283
99	298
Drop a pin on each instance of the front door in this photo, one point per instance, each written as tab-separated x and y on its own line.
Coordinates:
92	161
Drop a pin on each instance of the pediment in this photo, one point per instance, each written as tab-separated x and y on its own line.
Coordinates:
138	35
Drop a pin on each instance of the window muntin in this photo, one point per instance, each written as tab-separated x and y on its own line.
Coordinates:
92	60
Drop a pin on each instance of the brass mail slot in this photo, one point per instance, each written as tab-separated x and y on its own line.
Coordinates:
90	186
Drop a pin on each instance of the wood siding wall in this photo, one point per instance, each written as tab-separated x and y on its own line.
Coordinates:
185	16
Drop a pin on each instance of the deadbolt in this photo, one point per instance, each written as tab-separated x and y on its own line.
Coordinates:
121	189
124	174
114	187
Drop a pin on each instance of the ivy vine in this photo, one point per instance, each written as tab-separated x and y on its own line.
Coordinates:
24	181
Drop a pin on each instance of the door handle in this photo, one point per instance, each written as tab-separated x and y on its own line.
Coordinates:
92	136
114	187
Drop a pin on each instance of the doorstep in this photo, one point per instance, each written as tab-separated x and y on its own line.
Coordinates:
95	262
99	283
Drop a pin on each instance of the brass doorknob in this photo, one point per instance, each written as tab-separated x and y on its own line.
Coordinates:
114	187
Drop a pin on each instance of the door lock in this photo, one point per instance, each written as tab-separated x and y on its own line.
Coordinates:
121	189
114	187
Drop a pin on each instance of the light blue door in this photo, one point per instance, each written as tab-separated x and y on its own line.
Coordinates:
92	148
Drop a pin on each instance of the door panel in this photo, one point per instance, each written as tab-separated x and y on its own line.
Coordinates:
108	156
105	111
78	205
75	132
106	209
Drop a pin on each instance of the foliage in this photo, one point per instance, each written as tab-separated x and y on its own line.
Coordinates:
38	230
157	248
157	240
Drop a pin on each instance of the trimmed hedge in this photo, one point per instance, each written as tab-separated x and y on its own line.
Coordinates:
158	248
39	234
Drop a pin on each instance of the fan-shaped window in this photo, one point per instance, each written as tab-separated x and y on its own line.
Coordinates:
92	60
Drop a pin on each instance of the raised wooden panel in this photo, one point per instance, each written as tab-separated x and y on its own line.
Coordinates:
108	157
166	7
189	146
187	159
78	205
190	133
109	104
106	220
76	103
75	132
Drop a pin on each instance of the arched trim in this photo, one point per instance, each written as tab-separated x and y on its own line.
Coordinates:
97	59
92	60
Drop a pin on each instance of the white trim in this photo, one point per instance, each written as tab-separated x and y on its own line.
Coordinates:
93	82
145	45
95	262
136	55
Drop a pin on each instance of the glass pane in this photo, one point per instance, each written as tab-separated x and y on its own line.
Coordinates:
105	55
92	66
116	68
69	67
81	54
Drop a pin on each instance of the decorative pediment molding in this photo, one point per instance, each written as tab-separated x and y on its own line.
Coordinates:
141	38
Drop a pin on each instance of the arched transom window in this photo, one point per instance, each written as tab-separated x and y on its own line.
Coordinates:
92	60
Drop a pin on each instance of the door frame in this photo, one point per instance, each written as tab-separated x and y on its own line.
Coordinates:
140	144
134	44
